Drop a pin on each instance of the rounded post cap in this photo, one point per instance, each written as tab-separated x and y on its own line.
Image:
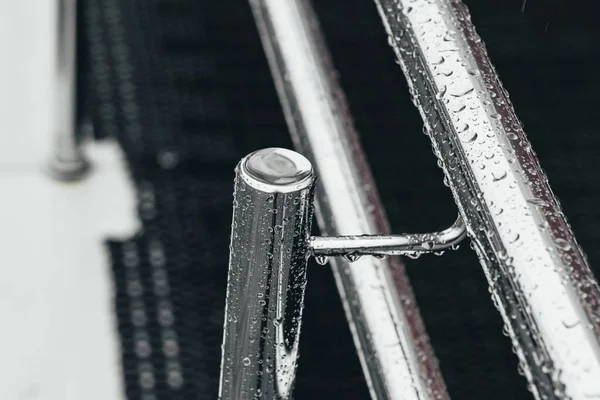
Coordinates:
277	170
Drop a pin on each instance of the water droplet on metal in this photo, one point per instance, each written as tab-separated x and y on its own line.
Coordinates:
440	93
468	136
352	257
513	236
537	202
321	260
439	60
563	244
460	92
498	174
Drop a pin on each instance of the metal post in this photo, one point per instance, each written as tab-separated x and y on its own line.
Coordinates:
273	207
67	162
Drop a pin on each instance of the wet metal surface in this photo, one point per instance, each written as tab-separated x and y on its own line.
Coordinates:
387	329
538	274
272	215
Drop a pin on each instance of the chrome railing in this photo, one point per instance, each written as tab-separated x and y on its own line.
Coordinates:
538	274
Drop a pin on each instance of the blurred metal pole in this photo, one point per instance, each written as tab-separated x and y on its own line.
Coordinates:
269	251
67	162
388	332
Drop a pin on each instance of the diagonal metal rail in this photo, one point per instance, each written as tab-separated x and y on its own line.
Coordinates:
381	309
539	276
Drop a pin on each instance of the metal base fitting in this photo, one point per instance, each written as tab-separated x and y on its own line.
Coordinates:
270	247
68	170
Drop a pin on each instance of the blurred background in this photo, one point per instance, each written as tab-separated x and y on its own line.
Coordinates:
113	287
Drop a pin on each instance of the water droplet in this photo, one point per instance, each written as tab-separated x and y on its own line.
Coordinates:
440	93
468	136
437	61
445	72
460	92
458	107
246	361
321	260
462	127
537	202
563	244
498	174
571	324
513	236
352	257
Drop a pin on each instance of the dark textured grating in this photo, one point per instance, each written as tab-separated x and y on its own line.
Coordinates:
184	86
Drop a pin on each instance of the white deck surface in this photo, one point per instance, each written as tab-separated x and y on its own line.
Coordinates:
58	337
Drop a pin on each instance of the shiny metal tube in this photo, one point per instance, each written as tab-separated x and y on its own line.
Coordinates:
389	245
538	275
272	216
67	162
387	329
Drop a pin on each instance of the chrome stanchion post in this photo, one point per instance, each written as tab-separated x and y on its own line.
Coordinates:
67	162
273	207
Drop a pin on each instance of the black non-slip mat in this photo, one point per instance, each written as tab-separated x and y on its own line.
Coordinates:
185	88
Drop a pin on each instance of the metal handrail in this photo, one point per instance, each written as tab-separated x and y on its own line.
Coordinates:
538	274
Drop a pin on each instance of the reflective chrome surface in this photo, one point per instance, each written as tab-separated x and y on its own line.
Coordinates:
411	244
538	274
67	160
267	275
388	332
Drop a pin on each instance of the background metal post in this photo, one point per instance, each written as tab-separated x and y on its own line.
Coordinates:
272	215
67	162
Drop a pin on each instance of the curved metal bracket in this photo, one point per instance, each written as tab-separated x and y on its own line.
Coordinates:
412	244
